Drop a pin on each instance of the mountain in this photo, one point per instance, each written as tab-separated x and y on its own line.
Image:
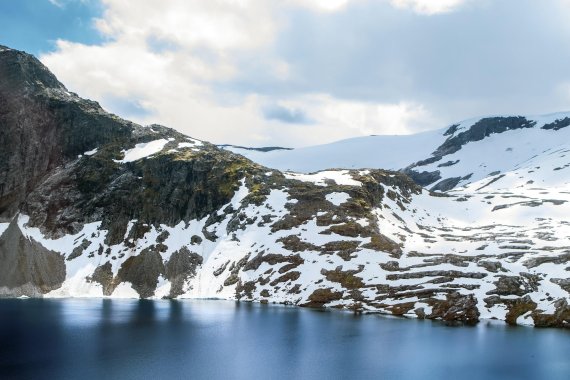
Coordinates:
95	206
441	160
260	149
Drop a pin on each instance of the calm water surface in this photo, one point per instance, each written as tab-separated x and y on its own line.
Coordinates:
129	339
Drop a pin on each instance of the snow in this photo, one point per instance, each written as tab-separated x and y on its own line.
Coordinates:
143	150
499	152
508	222
195	142
340	177
386	152
337	198
3	227
192	143
125	290
90	152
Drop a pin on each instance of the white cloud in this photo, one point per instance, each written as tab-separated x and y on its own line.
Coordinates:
216	24
57	3
321	5
334	119
200	40
169	60
429	7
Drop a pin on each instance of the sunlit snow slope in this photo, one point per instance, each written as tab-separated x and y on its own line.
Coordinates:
460	154
95	206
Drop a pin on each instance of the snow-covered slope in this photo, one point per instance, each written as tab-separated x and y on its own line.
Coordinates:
489	250
95	206
455	156
386	152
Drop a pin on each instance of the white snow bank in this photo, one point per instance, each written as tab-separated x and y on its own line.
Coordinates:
90	152
143	150
386	152
340	177
194	141
337	198
3	227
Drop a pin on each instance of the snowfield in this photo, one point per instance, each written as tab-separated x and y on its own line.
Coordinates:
495	245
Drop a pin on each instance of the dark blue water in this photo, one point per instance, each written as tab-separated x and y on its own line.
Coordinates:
119	339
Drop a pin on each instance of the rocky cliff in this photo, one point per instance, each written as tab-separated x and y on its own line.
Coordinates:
94	206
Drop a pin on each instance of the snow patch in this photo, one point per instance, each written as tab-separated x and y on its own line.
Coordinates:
340	177
90	152
143	150
125	290
337	198
3	227
194	141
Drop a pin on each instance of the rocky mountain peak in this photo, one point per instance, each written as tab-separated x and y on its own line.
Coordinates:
92	205
23	73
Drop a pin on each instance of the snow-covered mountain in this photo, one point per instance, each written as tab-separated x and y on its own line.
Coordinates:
95	206
443	159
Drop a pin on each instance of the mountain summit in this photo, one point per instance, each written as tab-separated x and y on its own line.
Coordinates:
92	205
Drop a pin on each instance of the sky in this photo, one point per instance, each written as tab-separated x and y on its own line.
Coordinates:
301	72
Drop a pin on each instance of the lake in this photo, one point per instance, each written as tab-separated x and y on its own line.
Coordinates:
132	339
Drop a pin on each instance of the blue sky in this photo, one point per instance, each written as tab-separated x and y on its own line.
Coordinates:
301	72
35	25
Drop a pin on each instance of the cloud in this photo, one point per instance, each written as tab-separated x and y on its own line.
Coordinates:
429	7
57	3
367	118
321	5
260	72
334	119
285	114
63	3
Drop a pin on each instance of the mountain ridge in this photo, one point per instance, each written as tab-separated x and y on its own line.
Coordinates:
421	155
96	206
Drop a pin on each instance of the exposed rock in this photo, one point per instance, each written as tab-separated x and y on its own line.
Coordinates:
181	267
321	297
558	124
28	269
481	129
515	285
423	178
560	318
346	279
389	246
78	251
446	184
103	275
142	272
456	308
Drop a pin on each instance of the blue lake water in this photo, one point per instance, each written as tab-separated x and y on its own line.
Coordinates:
130	339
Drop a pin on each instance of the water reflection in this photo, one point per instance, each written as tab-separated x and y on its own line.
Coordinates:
123	339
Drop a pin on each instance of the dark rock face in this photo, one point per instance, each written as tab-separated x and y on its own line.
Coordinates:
457	308
451	130
144	222
142	272
321	297
45	131
424	178
481	129
446	184
28	269
104	276
560	317
180	267
477	132
558	124
42	126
